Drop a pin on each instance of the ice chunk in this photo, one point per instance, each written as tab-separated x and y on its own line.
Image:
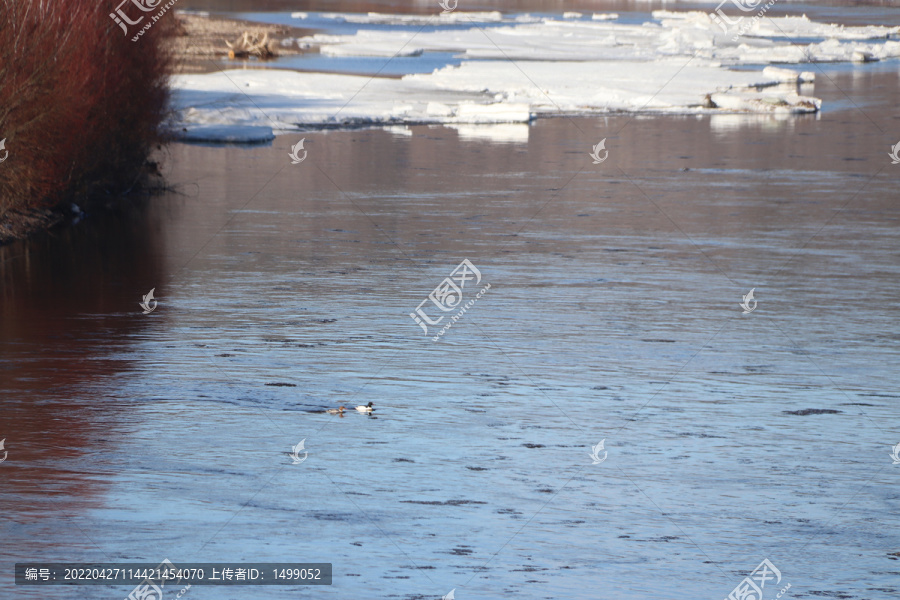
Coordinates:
225	134
678	63
594	87
749	101
863	56
688	34
784	75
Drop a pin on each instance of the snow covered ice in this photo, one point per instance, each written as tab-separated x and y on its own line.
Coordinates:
516	68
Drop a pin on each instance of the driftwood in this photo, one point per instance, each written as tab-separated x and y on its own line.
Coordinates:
247	45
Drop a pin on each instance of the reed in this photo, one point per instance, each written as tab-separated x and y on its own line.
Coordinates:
80	103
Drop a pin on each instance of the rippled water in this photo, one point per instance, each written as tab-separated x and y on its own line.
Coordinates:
613	314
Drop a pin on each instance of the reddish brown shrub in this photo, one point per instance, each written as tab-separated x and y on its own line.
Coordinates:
81	102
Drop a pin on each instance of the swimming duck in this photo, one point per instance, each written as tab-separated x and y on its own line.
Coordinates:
365	409
335	411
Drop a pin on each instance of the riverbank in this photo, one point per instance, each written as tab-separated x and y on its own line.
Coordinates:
199	40
82	109
19	224
197	44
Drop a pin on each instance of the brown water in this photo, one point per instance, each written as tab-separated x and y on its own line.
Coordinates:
613	314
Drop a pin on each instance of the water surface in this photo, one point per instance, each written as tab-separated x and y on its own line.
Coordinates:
612	315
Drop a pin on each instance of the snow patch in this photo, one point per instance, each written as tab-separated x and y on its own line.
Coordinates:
531	67
688	34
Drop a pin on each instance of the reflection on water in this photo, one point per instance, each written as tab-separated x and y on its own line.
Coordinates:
728	124
514	133
613	314
66	327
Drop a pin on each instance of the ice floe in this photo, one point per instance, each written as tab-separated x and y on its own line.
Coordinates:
374	18
228	134
664	85
788	75
675	34
522	67
763	102
285	100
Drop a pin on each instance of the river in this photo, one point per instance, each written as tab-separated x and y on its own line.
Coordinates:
613	315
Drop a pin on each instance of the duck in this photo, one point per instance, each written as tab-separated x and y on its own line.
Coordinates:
335	411
365	409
